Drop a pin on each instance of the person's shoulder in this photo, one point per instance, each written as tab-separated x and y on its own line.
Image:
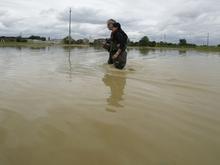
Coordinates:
122	34
119	33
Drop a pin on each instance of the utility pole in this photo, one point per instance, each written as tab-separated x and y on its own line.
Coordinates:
208	39
70	19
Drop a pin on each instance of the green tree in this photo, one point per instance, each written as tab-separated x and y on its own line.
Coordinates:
20	39
37	38
80	41
152	44
182	42
66	40
144	41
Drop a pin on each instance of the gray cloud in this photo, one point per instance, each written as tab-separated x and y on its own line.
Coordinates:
191	19
83	15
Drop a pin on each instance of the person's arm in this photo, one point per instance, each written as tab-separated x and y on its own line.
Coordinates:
106	44
117	54
120	44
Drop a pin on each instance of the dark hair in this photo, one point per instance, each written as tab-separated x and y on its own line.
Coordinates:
111	20
117	25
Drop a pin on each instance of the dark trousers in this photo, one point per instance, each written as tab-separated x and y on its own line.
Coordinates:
120	61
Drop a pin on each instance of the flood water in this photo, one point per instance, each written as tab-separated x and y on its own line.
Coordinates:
60	106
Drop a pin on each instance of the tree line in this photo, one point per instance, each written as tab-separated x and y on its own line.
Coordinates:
22	39
145	42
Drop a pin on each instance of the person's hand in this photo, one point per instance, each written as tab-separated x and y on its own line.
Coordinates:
106	46
114	56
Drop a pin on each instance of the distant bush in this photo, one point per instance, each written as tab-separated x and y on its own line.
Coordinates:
132	43
152	44
37	38
144	41
66	40
80	41
20	39
9	39
72	41
182	42
166	44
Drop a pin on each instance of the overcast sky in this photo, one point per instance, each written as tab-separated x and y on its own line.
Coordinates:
158	19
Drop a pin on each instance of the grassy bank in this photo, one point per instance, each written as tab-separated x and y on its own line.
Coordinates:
25	44
38	45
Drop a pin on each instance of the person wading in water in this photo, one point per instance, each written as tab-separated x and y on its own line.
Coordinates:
108	42
116	45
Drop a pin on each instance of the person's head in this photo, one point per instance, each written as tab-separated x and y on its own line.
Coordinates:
116	26
110	23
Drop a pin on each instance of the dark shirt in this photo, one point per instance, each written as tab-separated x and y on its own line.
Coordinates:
120	38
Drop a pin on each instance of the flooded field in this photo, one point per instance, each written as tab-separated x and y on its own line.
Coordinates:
60	106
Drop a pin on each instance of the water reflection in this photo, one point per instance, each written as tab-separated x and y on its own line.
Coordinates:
116	82
70	64
182	52
144	51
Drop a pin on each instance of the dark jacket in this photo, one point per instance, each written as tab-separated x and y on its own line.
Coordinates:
120	39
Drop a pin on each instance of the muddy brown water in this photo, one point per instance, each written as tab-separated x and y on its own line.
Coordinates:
60	106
